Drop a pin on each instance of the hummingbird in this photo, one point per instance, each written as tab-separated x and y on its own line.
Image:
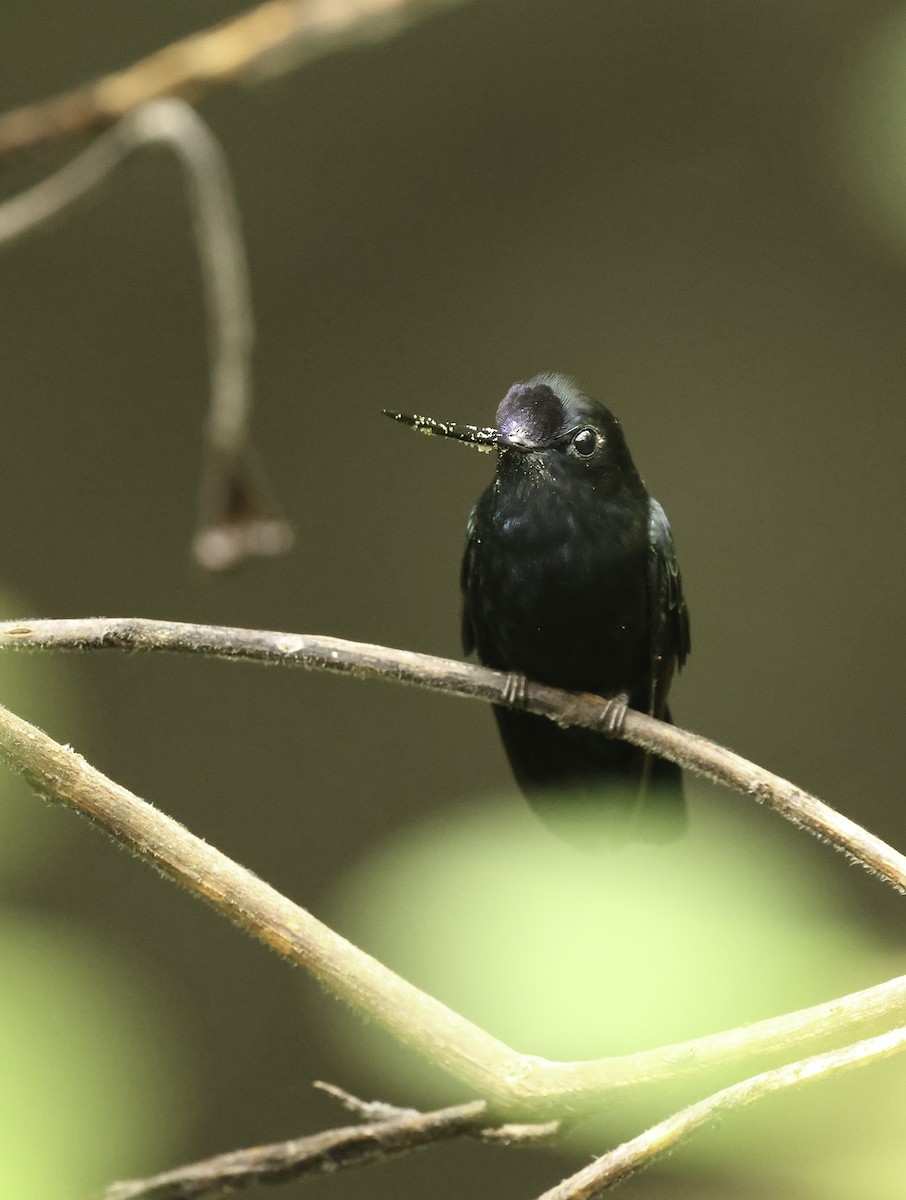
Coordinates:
570	578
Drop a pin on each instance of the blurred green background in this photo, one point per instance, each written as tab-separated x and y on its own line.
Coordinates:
697	210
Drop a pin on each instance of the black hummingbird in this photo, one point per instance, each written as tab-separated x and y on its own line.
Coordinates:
570	578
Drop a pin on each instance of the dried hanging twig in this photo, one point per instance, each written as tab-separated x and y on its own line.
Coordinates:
238	516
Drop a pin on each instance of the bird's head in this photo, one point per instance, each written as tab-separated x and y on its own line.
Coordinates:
546	428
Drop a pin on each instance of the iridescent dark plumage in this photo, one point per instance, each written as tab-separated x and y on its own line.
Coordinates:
570	578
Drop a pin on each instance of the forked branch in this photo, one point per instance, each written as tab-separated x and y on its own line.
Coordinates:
512	1085
517	1084
618	1164
388	1132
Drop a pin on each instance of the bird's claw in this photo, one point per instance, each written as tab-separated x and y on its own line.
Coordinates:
515	689
614	714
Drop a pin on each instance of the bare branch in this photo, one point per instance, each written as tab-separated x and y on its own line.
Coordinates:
218	230
519	1086
612	1168
238	515
321	1153
274	36
387	1131
364	661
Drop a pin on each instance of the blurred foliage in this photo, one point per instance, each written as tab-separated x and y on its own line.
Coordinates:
873	146
93	1079
93	1073
577	956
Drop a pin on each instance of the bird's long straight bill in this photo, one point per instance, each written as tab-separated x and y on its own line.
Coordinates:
482	439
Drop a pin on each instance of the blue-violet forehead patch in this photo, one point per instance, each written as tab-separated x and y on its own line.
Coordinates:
530	412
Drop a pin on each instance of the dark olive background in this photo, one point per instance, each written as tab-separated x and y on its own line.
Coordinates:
663	200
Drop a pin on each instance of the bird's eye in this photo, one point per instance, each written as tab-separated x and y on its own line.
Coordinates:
585	442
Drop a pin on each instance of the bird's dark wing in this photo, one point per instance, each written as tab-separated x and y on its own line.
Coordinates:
670	640
465	580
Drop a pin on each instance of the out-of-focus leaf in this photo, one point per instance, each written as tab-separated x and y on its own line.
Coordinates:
35	686
92	1082
573	955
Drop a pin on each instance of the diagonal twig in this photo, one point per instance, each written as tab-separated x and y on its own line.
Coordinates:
592	1181
319	1153
276	35
386	1132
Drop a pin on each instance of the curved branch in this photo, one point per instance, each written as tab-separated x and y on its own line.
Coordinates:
215	215
518	1085
592	1181
238	516
364	661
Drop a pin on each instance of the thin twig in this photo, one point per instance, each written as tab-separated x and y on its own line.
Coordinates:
519	1086
387	1131
320	1153
238	515
365	1110
379	1110
274	36
592	1181
365	661
215	215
